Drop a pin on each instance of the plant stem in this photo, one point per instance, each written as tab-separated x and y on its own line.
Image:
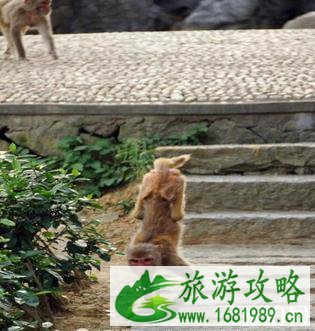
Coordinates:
37	281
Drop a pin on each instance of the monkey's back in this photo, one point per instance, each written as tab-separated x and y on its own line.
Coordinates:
157	221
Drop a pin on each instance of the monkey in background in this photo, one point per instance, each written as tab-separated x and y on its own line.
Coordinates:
160	204
17	16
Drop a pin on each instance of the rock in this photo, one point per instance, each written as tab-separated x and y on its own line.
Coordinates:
306	21
177	97
242	14
99	129
41	135
4	146
177	9
88	139
151	125
212	14
226	131
147	15
62	17
109	15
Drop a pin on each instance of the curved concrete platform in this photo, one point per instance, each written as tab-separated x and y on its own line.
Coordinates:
204	71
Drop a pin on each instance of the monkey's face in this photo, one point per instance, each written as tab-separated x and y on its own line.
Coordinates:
142	261
144	255
42	6
45	7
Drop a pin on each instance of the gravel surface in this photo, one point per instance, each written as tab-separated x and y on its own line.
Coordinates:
164	67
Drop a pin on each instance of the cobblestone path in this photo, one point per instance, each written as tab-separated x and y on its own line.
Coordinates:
165	67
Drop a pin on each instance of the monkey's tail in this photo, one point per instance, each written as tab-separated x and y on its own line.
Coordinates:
171	163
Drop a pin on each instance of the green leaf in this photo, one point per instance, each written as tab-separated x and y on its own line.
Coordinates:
16	328
7	223
16	165
78	166
4	240
54	274
75	172
31	253
12	148
108	181
26	297
48	234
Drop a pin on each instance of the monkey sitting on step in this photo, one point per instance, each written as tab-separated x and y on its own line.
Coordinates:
17	16
160	204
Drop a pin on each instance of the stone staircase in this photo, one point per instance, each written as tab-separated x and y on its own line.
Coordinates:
250	204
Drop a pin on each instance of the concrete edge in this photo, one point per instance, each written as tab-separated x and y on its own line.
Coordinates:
265	107
192	148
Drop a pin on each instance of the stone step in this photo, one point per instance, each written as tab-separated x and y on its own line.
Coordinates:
254	254
249	255
228	159
237	227
252	193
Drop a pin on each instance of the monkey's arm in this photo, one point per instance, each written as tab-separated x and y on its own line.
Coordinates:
178	205
144	192
138	210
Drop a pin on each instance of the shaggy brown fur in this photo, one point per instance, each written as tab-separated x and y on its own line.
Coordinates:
161	204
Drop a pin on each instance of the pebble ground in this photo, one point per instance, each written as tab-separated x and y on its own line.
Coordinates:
164	67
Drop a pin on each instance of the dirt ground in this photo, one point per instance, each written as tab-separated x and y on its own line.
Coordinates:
88	309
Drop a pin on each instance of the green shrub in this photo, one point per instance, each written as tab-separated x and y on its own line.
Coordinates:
108	164
43	245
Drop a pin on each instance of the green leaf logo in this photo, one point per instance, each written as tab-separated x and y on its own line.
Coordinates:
160	305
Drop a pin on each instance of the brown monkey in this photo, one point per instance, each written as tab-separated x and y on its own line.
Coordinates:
144	255
156	253
160	204
17	16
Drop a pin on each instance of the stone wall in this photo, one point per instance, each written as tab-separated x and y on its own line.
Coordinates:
42	133
73	16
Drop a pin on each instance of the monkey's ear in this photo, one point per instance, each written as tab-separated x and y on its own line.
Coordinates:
178	162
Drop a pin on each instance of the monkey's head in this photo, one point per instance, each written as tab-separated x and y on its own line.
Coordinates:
42	6
144	255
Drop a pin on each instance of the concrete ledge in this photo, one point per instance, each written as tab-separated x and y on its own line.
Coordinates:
279	107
